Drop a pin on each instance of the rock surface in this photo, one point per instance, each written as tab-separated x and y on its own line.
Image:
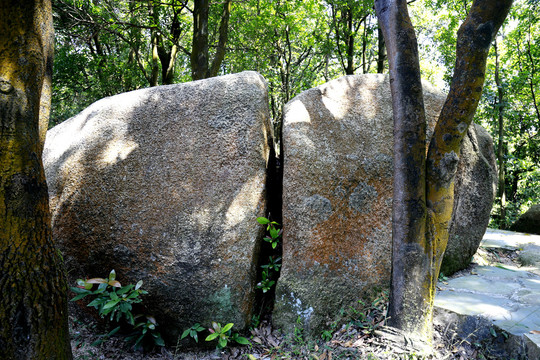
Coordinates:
528	222
337	197
164	184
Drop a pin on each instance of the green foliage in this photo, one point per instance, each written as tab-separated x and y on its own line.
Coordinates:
193	332
266	282
223	334
270	270
273	231
115	302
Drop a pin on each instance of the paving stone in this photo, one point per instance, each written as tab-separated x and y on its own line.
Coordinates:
482	285
467	303
509	296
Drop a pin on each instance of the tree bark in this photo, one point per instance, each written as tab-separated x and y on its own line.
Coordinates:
199	49
409	262
33	305
500	146
223	36
154	39
424	190
381	54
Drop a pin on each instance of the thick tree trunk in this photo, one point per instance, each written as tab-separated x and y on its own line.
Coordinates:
407	308
199	49
424	190
33	304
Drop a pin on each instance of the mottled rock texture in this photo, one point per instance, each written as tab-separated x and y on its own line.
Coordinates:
164	184
528	222
337	197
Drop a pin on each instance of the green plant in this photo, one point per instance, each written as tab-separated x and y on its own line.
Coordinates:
224	334
115	301
266	283
193	332
273	231
146	326
326	335
111	298
273	265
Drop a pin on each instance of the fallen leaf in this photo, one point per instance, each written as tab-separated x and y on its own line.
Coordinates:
535	331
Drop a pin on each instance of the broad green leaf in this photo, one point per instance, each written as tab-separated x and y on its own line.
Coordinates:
212	336
113	331
96	302
112	275
263	220
111	304
185	334
227	327
242	340
79	297
274	233
222	342
158	340
124	289
77	290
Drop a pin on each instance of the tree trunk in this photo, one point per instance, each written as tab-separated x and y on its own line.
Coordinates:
424	190
33	305
381	55
223	35
408	305
154	16
349	36
199	49
500	145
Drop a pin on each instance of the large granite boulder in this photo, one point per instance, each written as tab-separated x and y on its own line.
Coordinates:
337	196
528	222
164	184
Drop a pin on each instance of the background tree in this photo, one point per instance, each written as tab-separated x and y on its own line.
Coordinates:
424	185
33	305
510	110
516	142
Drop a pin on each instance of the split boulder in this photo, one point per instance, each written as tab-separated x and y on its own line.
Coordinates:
337	196
164	184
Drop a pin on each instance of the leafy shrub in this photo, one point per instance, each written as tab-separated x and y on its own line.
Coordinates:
115	301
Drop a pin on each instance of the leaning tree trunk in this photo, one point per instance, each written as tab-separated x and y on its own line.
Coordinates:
33	304
424	190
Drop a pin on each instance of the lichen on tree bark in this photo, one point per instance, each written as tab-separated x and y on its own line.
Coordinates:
33	305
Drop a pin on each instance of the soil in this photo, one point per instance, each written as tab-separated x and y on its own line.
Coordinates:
360	335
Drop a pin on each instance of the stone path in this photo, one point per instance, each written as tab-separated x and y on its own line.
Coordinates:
507	295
